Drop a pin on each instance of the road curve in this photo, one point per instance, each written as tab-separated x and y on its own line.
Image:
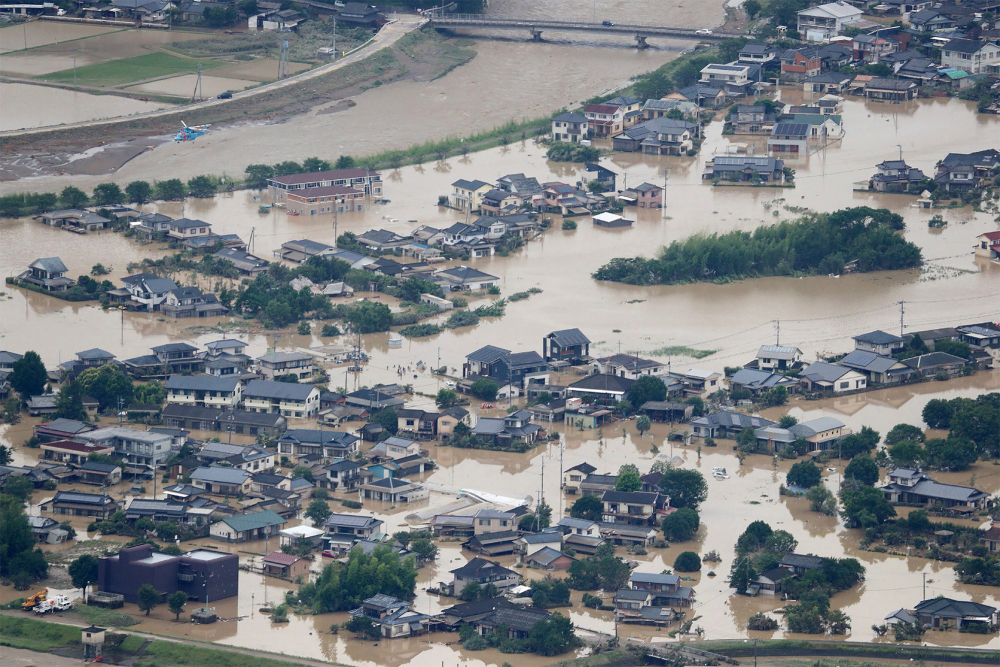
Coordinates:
387	36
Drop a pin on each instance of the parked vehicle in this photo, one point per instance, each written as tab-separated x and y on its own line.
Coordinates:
57	603
34	599
703	31
226	95
329	553
607	24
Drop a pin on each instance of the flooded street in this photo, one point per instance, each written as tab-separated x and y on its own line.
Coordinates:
817	314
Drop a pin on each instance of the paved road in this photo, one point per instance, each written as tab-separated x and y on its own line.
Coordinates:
63	620
387	36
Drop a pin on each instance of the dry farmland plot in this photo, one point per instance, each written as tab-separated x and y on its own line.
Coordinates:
40	33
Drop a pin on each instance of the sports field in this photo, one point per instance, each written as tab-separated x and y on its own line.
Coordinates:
129	70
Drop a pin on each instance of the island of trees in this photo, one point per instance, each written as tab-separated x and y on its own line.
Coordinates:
853	239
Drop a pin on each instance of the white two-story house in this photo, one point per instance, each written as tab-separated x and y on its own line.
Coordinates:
284	398
204	391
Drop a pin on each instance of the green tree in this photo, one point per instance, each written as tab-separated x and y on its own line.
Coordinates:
687	561
446	398
552	636
202	187
16	538
752	8
387	418
470	592
628	479
686	488
863	470
424	549
28	375
170	190
345	162
587	507
901	432
318	511
647	388
302	472
19	487
5	456
484	389
954	347
362	626
304	329
369	317
805	474
258	174
742	575
642	424
865	507
219	17
937	413
72	197
787	421
69	402
906	453
754	537
148	598
108	384
315	164
951	454
176	602
821	500
138	192
681	525
108	194
287	168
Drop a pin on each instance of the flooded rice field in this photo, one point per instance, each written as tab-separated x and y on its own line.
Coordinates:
24	105
90	48
32	34
184	85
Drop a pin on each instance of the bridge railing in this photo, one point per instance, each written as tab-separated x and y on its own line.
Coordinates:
485	20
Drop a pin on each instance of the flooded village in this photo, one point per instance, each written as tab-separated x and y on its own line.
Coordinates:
457	336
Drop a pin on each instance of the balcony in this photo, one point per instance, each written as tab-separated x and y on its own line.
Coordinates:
185	577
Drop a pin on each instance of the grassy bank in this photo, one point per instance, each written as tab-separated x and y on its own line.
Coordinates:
173	654
788	647
36	635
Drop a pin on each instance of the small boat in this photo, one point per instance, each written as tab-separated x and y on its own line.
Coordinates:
293	213
421	365
486	406
395	341
264	208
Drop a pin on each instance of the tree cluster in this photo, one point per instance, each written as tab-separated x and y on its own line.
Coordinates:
343	586
603	570
866	239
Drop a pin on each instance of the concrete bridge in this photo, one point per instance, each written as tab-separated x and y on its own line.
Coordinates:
641	32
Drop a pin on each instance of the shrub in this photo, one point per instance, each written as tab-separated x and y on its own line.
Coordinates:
687	561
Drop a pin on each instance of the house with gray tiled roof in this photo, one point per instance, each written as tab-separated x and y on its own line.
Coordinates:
824	376
285	398
48	273
913	487
725	423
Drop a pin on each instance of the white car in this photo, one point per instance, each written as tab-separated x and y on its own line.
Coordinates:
703	31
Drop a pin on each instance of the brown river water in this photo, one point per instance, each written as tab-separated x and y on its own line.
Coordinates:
817	314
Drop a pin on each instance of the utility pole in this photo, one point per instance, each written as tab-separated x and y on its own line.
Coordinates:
925	586
74	68
663	206
777	332
902	311
334	39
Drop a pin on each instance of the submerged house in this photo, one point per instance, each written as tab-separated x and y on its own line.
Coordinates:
913	487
